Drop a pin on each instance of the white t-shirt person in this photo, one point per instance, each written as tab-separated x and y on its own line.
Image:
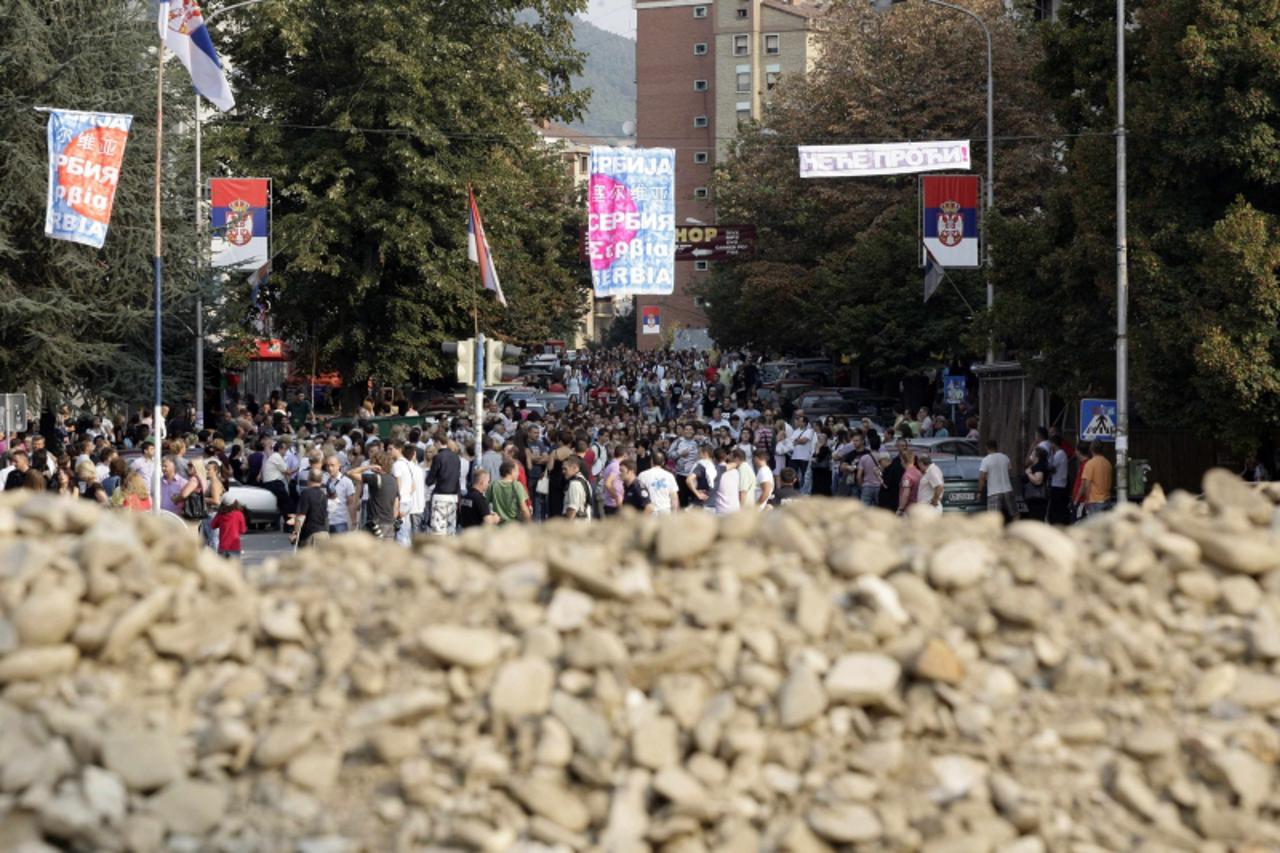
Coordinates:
929	487
662	487
338	492
764	476
802	441
996	466
726	499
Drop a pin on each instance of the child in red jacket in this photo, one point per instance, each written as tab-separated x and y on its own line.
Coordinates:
231	525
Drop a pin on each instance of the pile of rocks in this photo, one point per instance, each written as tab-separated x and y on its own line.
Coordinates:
825	676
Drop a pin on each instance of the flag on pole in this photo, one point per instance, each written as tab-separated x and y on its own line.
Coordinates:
478	251
933	274
183	31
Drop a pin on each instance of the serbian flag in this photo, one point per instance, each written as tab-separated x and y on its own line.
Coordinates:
478	250
949	214
183	31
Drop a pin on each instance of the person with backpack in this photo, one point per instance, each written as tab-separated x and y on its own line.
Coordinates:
578	497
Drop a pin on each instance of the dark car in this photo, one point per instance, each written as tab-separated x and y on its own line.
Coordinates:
960	491
822	402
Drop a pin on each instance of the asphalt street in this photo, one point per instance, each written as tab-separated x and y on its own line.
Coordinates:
259	545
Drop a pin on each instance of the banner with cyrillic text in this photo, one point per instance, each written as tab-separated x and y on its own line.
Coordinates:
86	151
893	158
631	221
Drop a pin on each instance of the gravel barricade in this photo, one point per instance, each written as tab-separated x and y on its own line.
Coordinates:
823	677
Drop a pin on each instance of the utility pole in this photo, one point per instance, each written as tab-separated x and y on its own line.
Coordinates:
1122	274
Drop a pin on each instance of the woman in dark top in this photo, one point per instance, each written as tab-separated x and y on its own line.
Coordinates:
892	480
1035	484
822	464
556	482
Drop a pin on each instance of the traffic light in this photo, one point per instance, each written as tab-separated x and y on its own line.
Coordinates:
495	372
466	355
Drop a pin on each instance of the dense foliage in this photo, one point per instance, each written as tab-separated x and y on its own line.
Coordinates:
609	72
75	321
372	119
838	267
1204	165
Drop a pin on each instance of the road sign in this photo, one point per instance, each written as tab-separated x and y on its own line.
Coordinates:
715	242
1098	420
13	413
953	388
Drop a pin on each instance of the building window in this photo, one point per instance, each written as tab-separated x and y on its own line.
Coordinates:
771	79
699	11
742	13
699	85
741	44
699	157
772	44
699	121
584	162
700	192
700	49
744	81
701	266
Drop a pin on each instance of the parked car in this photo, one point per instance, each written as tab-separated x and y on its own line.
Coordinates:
784	389
513	394
820	402
946	448
772	371
820	370
553	402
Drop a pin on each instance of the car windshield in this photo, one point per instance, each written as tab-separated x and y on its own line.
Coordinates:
960	468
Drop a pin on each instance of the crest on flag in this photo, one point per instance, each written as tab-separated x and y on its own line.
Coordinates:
241	237
949	221
184	16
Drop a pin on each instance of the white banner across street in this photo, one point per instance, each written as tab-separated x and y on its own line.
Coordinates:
894	158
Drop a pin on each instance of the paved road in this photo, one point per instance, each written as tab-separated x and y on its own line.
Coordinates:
258	545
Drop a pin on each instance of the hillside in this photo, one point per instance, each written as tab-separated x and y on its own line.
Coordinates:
610	73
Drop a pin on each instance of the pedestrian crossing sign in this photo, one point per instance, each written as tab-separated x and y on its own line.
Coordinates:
1098	420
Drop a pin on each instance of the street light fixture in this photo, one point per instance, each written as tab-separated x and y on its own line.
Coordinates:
886	5
208	20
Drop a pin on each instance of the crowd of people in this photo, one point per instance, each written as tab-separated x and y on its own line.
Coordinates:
659	433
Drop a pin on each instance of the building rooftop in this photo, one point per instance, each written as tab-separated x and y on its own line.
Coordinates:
802	8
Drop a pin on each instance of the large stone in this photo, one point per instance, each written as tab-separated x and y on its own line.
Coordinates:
961	563
398	707
937	662
802	698
863	678
1226	491
522	687
685	536
591	732
569	609
863	557
36	663
469	647
105	793
551	801
655	743
145	760
846	823
189	807
46	617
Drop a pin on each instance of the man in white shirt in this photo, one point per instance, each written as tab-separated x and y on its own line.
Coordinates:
684	450
718	420
402	471
746	478
931	484
145	464
342	502
802	441
764	479
727	498
275	476
993	476
1060	468
664	492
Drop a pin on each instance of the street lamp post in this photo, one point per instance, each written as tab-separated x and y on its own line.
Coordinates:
885	5
200	236
1122	274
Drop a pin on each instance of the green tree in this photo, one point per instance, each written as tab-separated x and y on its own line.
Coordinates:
76	322
372	119
1204	163
838	266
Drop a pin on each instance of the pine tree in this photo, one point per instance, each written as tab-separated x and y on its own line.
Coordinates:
75	322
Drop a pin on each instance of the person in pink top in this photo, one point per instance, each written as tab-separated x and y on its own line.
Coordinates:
611	480
909	488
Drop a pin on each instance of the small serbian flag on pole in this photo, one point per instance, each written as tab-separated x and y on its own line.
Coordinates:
478	250
183	31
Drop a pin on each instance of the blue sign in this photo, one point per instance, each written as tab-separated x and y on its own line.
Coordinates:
631	221
86	151
1098	420
953	389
